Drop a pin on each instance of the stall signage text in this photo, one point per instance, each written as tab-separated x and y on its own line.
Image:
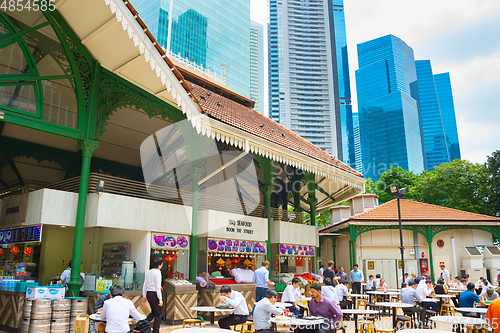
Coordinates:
12	210
236	246
240	227
297	250
170	242
21	235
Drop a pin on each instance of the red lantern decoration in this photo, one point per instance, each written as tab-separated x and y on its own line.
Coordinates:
28	251
276	265
310	264
1	251
14	250
169	258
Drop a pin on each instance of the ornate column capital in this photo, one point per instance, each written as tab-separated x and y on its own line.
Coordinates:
87	147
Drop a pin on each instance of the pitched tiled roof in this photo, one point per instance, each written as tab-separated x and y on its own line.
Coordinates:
419	211
254	122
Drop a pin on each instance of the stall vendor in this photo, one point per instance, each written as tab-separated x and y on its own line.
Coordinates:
292	295
65	276
237	301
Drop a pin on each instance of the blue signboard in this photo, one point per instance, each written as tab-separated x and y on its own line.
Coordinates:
21	235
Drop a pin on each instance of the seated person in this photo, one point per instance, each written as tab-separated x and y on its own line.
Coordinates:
116	311
463	284
457	284
328	290
440	288
263	310
424	290
489	294
237	301
382	285
292	294
467	299
408	294
342	294
370	284
321	306
97	308
406	279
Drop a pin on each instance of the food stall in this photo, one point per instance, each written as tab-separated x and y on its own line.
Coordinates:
179	295
20	256
230	247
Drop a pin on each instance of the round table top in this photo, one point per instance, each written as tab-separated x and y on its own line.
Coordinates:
97	317
359	311
430	300
455	290
359	295
422	330
296	321
443	296
306	299
283	304
199	329
209	309
472	310
459	320
394	305
381	292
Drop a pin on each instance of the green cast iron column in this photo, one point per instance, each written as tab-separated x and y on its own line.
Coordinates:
352	244
334	241
311	191
268	190
195	173
429	243
87	147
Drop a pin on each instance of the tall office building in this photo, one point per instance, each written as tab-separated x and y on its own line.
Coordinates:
257	65
357	142
445	96
388	114
210	33
309	88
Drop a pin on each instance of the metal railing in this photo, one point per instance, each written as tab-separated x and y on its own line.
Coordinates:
136	189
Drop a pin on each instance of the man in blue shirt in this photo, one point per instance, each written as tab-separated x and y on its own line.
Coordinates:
467	299
356	279
408	294
261	279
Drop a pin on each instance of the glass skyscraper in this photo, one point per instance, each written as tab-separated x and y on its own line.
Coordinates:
257	65
309	88
445	97
388	114
210	33
357	142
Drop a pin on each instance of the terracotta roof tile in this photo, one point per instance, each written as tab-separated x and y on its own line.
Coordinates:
419	211
250	120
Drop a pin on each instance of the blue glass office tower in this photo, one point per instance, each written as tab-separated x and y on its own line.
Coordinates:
445	97
388	114
257	65
439	127
207	33
309	88
357	142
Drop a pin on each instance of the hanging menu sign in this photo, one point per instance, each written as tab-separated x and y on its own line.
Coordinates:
236	246
297	250
166	241
21	235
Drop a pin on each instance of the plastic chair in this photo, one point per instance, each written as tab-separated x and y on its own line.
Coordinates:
366	327
191	322
244	328
361	302
447	310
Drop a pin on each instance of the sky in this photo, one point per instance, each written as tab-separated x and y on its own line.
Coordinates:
461	37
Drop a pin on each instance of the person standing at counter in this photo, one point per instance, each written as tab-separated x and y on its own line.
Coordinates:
292	295
261	279
151	292
357	278
263	310
65	276
237	301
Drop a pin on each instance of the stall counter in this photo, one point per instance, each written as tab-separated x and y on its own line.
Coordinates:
134	295
209	296
11	310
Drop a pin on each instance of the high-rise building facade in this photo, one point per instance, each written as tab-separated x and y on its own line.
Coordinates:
309	88
388	114
357	142
445	96
210	33
257	65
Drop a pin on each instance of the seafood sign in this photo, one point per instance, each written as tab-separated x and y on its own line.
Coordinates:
166	241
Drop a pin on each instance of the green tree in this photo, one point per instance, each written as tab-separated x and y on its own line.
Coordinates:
459	184
493	171
397	176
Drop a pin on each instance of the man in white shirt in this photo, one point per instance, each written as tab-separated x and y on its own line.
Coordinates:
321	270
376	281
151	292
292	295
343	293
65	276
370	284
424	289
446	274
328	290
382	285
405	279
237	301
116	311
263	310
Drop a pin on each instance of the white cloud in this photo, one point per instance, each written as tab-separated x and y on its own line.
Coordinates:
477	139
